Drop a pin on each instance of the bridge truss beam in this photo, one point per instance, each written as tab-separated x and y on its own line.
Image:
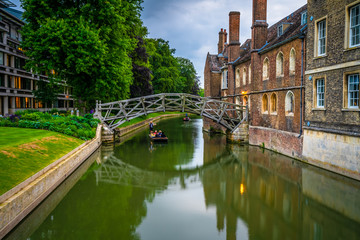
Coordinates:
227	114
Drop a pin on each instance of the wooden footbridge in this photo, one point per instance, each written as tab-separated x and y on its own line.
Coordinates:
227	114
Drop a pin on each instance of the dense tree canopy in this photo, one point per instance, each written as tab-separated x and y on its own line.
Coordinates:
86	42
99	47
170	73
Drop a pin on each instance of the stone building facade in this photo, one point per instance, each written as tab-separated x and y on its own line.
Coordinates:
16	83
332	119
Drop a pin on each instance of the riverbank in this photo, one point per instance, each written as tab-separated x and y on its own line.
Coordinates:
24	152
17	203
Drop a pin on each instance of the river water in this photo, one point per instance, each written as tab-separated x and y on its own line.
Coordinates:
195	187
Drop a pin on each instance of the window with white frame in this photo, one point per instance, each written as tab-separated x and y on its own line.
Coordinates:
225	79
320	93
353	91
355	26
303	18
321	34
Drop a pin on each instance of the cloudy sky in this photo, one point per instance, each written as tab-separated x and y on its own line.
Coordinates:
192	26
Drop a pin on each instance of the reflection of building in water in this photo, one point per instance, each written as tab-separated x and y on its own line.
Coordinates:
213	146
278	199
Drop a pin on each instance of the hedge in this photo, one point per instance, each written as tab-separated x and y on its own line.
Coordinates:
80	127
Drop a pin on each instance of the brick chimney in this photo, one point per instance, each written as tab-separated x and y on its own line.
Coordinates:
259	25
221	41
259	32
234	44
234	27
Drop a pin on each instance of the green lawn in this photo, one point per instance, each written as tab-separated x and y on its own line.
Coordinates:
24	152
142	118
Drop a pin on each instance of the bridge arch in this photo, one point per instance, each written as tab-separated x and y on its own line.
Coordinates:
228	114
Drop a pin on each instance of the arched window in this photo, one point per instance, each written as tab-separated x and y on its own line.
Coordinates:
292	62
249	73
266	69
225	79
289	104
273	104
265	104
244	76
237	77
280	64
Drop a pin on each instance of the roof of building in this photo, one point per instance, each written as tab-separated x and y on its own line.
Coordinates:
294	29
245	52
214	62
16	13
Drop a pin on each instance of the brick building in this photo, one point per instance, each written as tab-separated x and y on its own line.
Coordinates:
17	84
265	73
332	119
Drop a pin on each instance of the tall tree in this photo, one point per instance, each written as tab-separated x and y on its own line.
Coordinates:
188	76
86	42
141	85
163	65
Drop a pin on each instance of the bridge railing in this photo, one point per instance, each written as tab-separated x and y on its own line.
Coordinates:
228	114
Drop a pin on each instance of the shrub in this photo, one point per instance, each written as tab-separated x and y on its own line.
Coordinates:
31	116
80	127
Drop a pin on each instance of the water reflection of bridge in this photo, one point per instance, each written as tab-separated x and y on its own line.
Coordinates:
115	171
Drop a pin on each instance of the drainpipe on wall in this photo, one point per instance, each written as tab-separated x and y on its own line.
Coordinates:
302	37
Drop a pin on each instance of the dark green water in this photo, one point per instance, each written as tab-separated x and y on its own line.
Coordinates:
195	187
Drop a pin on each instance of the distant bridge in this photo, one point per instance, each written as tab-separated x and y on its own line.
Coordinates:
227	114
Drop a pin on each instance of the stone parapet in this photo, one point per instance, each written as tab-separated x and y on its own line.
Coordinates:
16	204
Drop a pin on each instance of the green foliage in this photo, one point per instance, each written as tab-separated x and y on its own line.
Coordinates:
163	65
80	127
46	92
201	92
188	75
170	74
86	43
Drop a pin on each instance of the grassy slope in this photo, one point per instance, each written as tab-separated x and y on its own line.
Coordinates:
24	152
